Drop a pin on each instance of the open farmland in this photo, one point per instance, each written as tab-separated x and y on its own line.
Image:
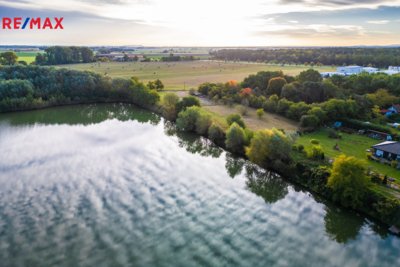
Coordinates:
189	74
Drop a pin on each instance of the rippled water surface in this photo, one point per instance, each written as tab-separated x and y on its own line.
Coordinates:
110	185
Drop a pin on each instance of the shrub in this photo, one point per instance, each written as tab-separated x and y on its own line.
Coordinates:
242	110
235	139
187	119
316	152
393	164
203	122
260	113
186	102
235	118
268	146
300	148
193	119
309	121
314	141
169	105
216	134
333	134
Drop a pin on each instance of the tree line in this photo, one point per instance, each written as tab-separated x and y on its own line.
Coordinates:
56	55
338	56
27	87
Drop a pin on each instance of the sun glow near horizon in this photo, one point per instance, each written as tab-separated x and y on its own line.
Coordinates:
214	23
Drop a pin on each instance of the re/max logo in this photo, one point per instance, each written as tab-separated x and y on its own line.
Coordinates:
18	23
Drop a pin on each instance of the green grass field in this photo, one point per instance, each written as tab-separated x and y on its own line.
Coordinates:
28	56
351	145
186	75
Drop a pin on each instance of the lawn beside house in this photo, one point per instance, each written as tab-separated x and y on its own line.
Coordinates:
351	145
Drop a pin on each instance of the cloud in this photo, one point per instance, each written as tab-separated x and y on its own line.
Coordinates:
334	2
378	22
316	31
117	2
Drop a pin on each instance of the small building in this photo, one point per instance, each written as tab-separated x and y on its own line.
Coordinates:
389	150
394	109
379	135
350	70
370	70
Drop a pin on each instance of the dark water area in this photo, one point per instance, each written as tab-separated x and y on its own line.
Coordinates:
113	185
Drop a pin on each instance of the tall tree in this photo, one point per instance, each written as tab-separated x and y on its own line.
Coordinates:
348	181
8	58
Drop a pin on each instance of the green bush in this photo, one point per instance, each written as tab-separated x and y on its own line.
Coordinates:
193	119
186	102
300	148
393	164
268	146
316	152
260	113
235	139
187	119
314	141
203	122
309	121
216	134
235	118
333	134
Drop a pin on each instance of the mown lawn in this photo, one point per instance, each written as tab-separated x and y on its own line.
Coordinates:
351	145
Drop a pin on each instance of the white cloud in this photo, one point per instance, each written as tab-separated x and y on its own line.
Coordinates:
378	22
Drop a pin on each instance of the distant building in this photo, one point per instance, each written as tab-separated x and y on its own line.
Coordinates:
389	150
349	70
354	70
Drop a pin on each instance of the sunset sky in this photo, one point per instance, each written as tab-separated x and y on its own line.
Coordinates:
208	22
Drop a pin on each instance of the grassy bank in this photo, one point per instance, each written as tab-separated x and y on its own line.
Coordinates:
351	145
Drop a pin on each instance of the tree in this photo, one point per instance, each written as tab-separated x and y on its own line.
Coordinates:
260	113
235	118
169	102
348	181
292	91
268	146
275	86
8	58
235	139
159	85
216	134
86	54
187	119
187	101
297	110
309	75
319	113
309	121
382	98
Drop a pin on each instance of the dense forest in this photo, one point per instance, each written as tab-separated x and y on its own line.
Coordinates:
338	56
26	87
56	55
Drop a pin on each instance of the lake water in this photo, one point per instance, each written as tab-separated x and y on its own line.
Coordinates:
111	185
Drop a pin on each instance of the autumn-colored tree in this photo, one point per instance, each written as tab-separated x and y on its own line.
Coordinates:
267	146
246	92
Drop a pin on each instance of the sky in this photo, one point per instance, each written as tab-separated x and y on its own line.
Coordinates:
208	22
